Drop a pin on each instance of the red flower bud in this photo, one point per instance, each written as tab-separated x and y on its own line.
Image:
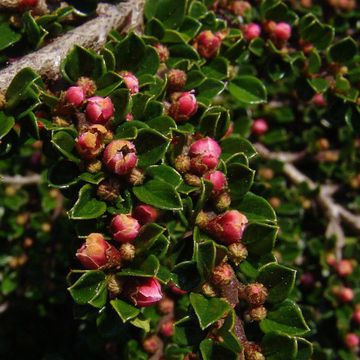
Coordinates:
99	110
252	31
124	228
28	3
176	290
351	340
256	294
75	95
120	157
131	81
282	31
90	143
176	79
218	179
145	292
307	279
239	8
165	305
162	51
356	316
259	127
145	214
344	294
318	100
183	106
167	329
97	252
344	268
88	85
151	344
229	227
207	44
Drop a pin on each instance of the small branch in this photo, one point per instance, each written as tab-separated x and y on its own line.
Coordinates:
333	211
92	34
18	180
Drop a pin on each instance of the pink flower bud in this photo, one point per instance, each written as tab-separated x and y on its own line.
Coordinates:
99	110
252	31
351	340
151	344
229	227
124	228
90	143
88	85
259	127
218	179
145	292
205	146
344	294
307	279
167	329
96	252
165	305
162	51
75	96
129	117
207	44
282	31
344	268
145	214
120	157
131	81
183	107
318	100
176	79
356	316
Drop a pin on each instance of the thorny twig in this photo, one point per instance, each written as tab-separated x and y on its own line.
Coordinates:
333	211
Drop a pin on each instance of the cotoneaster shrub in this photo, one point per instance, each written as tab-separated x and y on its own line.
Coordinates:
148	144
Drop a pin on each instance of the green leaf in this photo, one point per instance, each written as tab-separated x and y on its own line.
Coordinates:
226	332
209	310
159	194
278	279
141	323
217	69
6	124
148	235
235	144
286	319
279	347
165	173
214	122
305	349
90	288
151	147
87	207
260	238
209	89
149	268
65	143
211	350
204	254
256	208
170	12
240	179
248	90
82	62
318	84
34	33
125	310
63	174
343	51
8	36
186	275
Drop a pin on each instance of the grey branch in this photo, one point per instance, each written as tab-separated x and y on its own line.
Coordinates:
92	34
18	180
333	211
